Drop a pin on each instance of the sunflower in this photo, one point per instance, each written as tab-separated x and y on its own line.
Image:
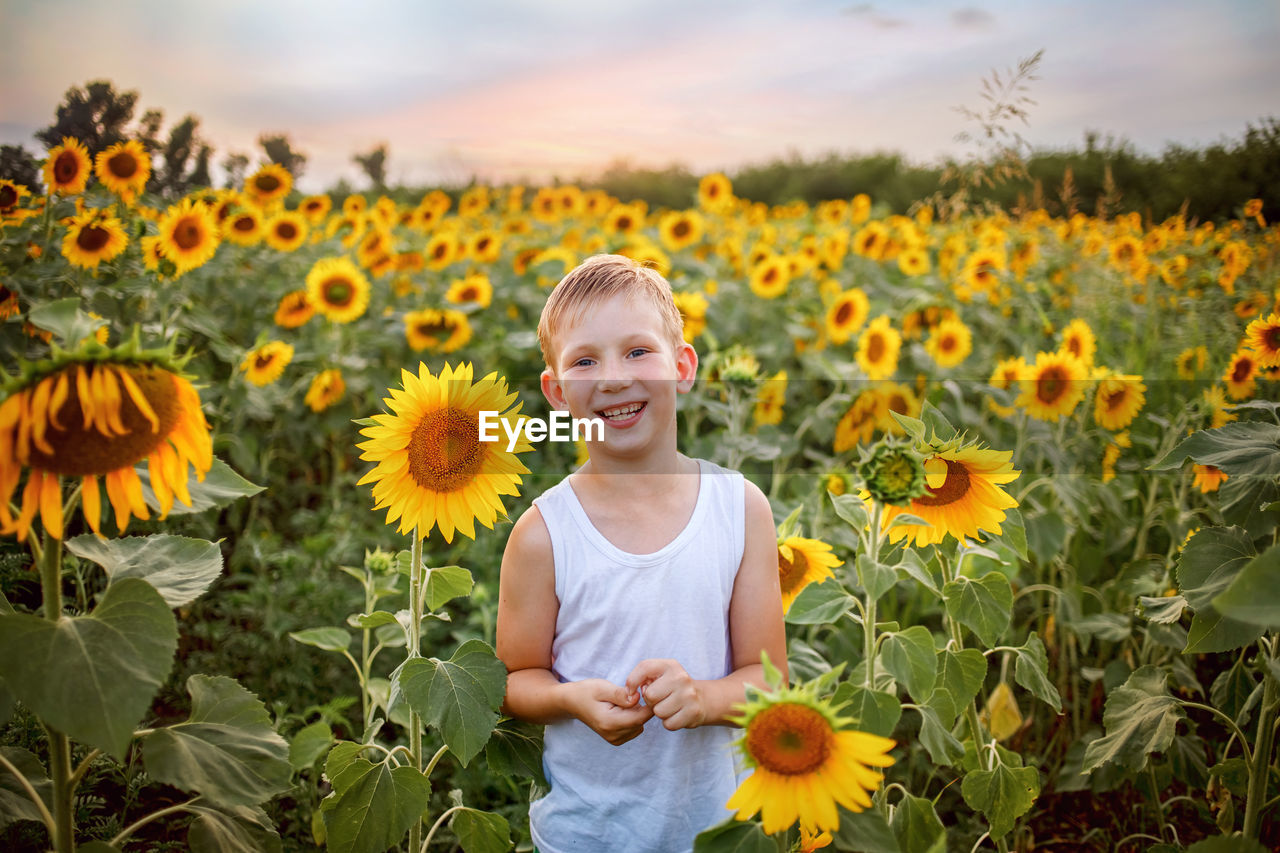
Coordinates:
1006	374
878	349
9	306
847	314
804	761
439	330
1207	478
67	168
348	229
680	229
624	219
950	343
92	237
10	194
894	397
693	311
1241	374
268	185
914	261
1191	361
1052	386
802	562
770	399
315	208
338	289
871	240
981	271
858	424
474	288
964	496
326	389
770	277
432	469
294	310
641	250
188	235
1078	340
484	247
244	227
442	249
1215	400
124	169
1263	337
1118	400
287	231
92	420
715	193
265	364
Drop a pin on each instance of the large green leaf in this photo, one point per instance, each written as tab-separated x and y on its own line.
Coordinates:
372	806
220	486
515	749
1254	595
1140	718
93	677
734	836
984	606
1014	532
459	696
872	711
875	576
866	832
1250	449
309	743
917	826
942	745
820	604
1032	672
65	319
329	638
239	829
180	568
1003	794
1208	564
852	509
962	674
481	832
226	750
15	802
910	658
447	583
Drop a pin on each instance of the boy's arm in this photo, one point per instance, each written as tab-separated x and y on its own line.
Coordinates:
527	610
755	625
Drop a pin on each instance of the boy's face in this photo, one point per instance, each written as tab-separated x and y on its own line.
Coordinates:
618	363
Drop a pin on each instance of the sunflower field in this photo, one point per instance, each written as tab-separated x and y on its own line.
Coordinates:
1025	470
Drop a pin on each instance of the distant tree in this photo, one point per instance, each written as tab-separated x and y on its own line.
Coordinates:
96	115
235	165
173	177
374	165
200	172
279	150
148	132
18	165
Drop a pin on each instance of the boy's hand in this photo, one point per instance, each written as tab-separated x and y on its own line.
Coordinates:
613	712
672	694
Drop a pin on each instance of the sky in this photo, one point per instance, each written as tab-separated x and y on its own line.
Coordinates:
518	89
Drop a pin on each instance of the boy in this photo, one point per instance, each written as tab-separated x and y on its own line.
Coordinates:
644	584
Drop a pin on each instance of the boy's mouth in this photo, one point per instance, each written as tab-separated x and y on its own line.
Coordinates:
618	414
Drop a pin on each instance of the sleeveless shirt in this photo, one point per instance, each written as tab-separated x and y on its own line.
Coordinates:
654	793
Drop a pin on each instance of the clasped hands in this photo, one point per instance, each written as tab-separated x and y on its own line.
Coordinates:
616	714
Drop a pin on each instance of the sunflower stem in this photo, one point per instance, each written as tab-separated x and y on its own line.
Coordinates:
1260	772
415	641
59	744
869	612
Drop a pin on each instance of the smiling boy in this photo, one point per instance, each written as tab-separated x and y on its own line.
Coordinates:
644	584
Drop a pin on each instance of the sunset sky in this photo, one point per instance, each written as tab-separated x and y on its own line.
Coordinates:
516	88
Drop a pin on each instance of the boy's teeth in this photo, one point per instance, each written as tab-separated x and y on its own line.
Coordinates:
622	411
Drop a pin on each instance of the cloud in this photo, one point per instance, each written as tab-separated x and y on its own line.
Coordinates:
867	12
972	17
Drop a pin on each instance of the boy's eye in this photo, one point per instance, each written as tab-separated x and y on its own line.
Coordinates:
582	362
638	351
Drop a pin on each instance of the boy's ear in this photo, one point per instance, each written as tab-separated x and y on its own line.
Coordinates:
686	368
552	391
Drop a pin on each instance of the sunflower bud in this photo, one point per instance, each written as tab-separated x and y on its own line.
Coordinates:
893	473
379	562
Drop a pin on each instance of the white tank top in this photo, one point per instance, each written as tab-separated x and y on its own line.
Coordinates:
657	791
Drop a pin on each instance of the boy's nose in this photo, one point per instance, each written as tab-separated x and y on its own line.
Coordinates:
615	380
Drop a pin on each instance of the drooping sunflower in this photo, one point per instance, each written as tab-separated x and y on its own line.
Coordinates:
124	169
94	421
474	288
264	365
805	761
188	235
950	343
338	289
286	231
1118	400
847	314
1052	386
1241	375
1078	340
432	469
964	496
92	237
439	330
693	311
1263	337
294	310
268	185
769	278
67	168
878	349
802	562
325	390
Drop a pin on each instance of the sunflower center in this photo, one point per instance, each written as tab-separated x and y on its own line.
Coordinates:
338	291
789	739
445	452
263	360
468	294
286	231
66	167
1242	371
843	313
267	183
482	245
244	223
1115	399
875	348
1074	346
791	571
1271	338
439	251
681	229
80	451
1051	385
948	343
123	165
93	238
8	197
624	222
430	330
188	234
953	488
770	275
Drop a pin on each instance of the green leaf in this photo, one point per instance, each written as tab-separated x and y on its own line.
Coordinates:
180	568
1014	532
873	711
330	639
372	806
481	832
865	831
447	583
1003	794
376	619
15	803
460	696
1227	844
92	677
914	427
876	577
7	702
1208	564
1162	609
942	745
1242	500
962	673
238	829
1254	595
65	319
308	744
1032	672
852	509
938	425
1246	448
913	564
1140	718
910	658
734	836
515	749
220	486
226	750
820	604
916	826
984	606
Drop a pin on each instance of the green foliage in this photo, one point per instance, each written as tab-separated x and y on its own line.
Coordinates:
460	696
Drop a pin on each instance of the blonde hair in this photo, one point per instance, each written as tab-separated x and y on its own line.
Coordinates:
598	278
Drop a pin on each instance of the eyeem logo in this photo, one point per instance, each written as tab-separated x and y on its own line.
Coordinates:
561	427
